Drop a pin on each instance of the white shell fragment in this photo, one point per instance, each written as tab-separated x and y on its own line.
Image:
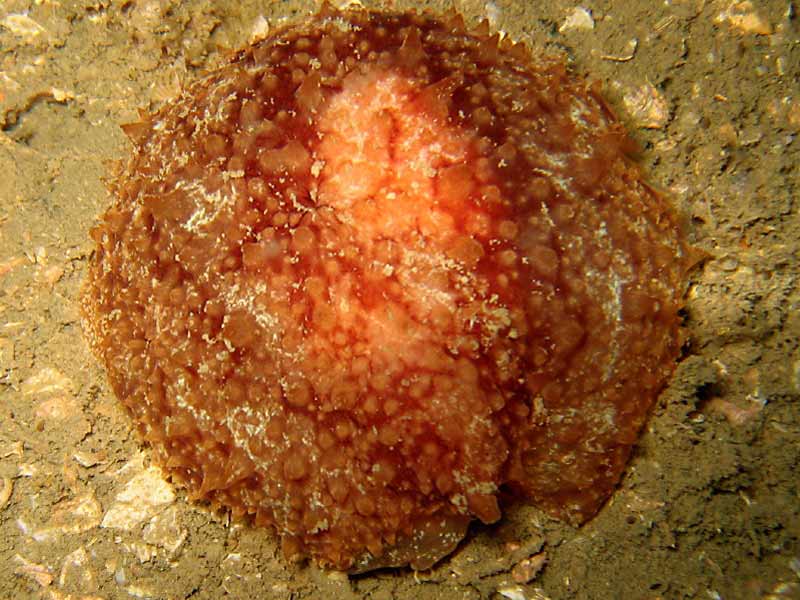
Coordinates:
743	16
578	19
22	26
140	499
647	107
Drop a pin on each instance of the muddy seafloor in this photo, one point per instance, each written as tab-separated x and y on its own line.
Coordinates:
709	505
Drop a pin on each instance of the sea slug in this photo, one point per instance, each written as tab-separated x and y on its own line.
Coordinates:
378	269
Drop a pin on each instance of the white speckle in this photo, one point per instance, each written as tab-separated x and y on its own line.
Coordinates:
316	167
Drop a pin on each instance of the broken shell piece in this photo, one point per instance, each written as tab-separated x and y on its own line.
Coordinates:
526	570
578	19
742	16
647	107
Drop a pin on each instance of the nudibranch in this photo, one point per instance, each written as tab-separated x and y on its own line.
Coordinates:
377	269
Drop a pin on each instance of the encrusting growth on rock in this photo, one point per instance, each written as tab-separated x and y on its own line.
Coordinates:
373	269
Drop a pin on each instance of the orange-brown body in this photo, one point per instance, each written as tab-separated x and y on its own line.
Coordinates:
377	267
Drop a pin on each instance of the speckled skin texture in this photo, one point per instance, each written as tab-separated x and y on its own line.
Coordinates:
375	269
